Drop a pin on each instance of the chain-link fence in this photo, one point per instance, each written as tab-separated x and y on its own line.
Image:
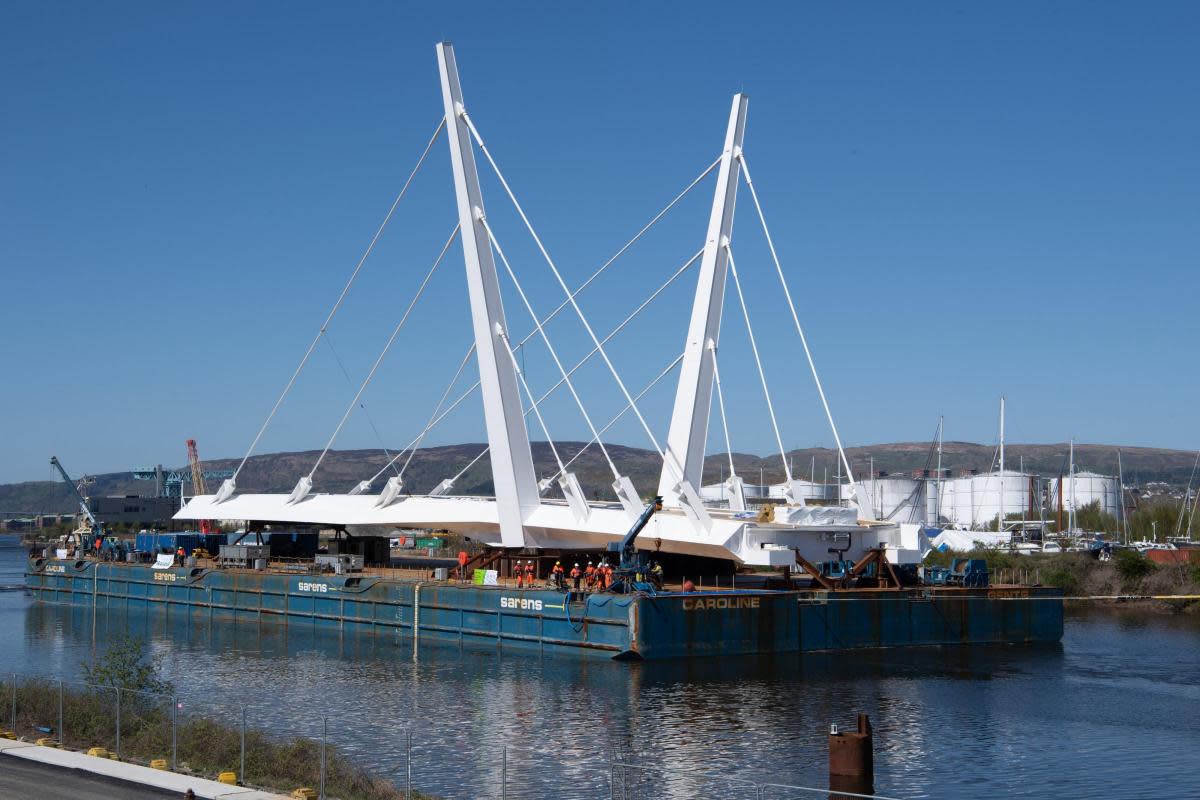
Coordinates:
259	747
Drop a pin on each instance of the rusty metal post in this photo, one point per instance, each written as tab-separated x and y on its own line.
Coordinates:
851	759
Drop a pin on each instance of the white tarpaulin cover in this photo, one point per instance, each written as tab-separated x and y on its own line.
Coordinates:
816	515
962	541
165	561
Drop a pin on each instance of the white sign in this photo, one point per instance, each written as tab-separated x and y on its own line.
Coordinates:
523	603
165	561
491	578
60	552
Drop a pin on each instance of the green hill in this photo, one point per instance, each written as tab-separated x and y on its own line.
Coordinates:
342	469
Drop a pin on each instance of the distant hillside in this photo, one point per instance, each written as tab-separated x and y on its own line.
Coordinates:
342	469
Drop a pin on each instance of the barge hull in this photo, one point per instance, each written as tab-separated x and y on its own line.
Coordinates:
671	625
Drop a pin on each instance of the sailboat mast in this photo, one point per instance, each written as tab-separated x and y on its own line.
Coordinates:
1000	521
1121	499
937	503
1071	510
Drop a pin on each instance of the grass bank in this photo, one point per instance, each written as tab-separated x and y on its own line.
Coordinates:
151	726
1081	575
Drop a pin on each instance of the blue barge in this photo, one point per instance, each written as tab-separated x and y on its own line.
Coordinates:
636	626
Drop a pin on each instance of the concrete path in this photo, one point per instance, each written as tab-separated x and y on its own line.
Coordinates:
98	775
21	779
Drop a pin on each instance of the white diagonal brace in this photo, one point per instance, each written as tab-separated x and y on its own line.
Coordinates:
693	398
508	439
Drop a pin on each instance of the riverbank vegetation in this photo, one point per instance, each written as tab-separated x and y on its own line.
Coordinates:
150	723
1083	575
1156	520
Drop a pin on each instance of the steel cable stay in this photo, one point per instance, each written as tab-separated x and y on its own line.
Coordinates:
712	350
230	484
412	451
762	376
430	426
536	412
688	264
342	367
620	327
549	317
665	372
546	339
304	485
741	156
671	464
621	251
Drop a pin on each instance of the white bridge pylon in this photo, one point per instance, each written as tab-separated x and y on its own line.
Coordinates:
508	438
683	462
518	515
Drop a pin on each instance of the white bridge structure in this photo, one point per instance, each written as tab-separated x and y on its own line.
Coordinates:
554	512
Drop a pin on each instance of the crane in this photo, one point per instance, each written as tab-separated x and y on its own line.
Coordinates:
629	574
197	471
94	524
197	479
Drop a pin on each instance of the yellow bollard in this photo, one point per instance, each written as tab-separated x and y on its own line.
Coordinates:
158	763
228	777
46	741
98	752
304	793
113	756
8	735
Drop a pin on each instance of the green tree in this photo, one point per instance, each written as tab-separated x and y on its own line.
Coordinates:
1155	519
129	665
1091	518
1132	566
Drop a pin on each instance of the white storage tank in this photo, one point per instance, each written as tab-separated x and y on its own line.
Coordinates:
1084	488
975	500
894	498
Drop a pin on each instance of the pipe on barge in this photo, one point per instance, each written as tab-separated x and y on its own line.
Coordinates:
635	626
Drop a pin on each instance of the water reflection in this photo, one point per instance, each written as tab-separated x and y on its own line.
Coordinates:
1107	706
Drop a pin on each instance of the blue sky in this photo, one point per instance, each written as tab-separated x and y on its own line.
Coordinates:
969	200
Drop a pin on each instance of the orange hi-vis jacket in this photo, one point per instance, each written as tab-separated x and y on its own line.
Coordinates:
575	572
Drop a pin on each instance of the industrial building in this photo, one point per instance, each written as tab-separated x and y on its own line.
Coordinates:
134	510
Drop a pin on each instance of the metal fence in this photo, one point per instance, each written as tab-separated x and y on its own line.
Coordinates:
206	739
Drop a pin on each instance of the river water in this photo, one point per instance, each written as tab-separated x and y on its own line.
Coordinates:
1114	711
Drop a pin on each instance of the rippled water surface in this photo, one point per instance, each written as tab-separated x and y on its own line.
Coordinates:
1114	711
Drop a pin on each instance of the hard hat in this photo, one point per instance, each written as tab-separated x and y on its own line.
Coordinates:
557	563
577	563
